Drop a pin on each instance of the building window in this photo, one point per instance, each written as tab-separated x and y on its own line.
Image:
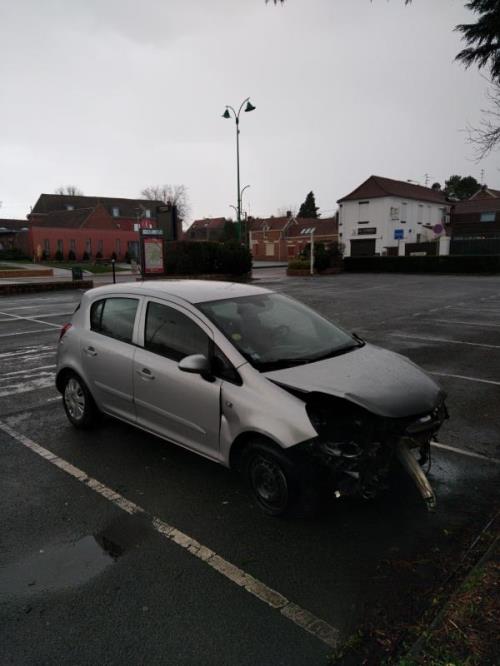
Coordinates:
69	207
59	246
88	247
367	231
420	213
487	217
72	245
269	249
363	211
46	246
118	248
404	212
419	237
429	214
115	211
99	246
147	213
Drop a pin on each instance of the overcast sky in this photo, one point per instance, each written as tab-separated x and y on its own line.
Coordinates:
115	95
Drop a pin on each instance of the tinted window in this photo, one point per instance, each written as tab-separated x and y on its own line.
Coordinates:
172	334
114	317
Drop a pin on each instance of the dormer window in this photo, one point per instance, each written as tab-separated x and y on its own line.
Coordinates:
115	211
147	213
70	207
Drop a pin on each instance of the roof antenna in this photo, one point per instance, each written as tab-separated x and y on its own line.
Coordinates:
426	180
482	176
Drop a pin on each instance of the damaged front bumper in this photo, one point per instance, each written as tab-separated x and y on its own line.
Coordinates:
357	455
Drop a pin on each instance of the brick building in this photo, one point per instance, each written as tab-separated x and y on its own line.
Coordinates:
89	226
475	223
283	238
207	229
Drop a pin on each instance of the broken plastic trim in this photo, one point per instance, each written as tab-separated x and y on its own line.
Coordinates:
412	466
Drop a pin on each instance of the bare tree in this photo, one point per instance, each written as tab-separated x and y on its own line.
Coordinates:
486	137
70	190
169	194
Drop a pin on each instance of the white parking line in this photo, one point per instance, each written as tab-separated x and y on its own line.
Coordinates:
48	315
299	616
470	379
38	321
36	330
448	341
463	323
462	452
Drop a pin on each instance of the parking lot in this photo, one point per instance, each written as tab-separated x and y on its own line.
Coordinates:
120	548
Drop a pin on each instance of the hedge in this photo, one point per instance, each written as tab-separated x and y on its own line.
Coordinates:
201	258
424	264
13	253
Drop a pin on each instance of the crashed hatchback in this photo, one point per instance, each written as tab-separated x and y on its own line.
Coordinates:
254	380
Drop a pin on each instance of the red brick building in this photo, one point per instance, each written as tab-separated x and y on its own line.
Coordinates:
82	226
283	238
207	229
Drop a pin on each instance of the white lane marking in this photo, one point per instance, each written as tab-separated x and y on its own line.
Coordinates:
470	379
451	342
463	323
299	616
35	330
463	452
38	321
27	370
22	351
47	315
42	382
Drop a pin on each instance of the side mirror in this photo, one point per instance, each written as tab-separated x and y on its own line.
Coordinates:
196	364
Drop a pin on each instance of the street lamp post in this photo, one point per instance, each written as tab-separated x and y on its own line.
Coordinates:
249	107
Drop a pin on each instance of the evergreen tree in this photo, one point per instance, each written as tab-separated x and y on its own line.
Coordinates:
309	208
483	37
461	187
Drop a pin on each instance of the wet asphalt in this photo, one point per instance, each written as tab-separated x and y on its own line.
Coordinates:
82	581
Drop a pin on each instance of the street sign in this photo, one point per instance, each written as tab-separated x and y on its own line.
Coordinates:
152	232
399	234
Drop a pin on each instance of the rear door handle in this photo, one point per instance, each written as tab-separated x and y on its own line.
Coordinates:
90	351
145	373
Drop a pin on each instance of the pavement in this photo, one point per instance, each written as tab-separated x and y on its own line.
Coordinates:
104	559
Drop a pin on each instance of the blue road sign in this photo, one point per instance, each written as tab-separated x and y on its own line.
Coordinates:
399	234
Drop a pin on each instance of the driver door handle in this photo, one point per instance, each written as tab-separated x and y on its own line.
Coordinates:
90	351
145	373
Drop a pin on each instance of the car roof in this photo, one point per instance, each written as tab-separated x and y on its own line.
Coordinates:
192	291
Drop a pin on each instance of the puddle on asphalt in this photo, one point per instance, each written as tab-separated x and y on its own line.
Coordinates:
69	565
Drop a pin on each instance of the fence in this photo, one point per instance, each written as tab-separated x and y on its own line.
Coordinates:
475	246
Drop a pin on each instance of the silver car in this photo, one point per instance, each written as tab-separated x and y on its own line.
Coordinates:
253	380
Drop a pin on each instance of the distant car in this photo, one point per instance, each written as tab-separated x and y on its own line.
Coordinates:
253	380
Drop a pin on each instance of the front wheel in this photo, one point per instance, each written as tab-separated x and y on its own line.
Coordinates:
276	482
78	403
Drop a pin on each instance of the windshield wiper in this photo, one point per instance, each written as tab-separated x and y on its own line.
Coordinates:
282	363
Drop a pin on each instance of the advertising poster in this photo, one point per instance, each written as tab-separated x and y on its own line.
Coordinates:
153	255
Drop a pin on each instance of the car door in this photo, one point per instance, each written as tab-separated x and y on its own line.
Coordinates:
182	407
107	354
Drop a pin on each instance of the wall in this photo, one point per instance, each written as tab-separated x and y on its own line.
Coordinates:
38	235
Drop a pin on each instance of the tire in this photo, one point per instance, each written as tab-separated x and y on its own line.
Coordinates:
78	403
278	484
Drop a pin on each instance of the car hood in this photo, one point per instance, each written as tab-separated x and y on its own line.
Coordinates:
378	380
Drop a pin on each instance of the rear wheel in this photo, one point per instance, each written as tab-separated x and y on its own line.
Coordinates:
278	484
79	405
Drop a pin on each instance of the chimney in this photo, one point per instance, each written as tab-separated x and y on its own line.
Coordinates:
289	213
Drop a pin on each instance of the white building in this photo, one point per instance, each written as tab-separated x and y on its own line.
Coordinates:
382	214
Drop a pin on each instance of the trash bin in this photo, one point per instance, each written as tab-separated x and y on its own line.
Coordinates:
76	273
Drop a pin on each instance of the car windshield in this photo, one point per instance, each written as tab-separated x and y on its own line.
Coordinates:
273	331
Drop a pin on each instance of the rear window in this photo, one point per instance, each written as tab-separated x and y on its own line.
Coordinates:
114	317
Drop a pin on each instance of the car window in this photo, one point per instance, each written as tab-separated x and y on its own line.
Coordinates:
273	331
114	317
172	334
223	368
